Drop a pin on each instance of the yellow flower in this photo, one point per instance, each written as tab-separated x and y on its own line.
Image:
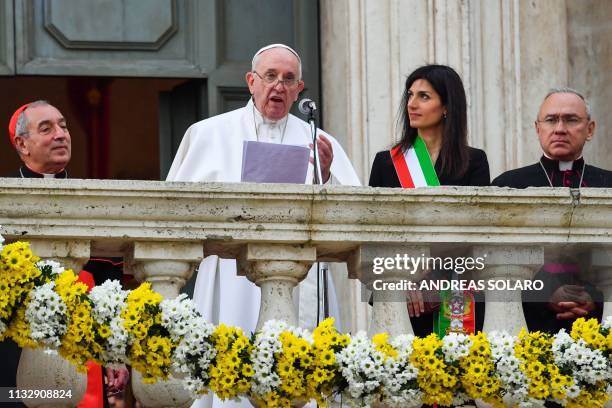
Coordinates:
590	332
247	370
229	375
381	344
326	358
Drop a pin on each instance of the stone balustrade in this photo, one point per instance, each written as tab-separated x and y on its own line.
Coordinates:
164	229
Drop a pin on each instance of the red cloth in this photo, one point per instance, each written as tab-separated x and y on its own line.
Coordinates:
94	394
13	122
87	278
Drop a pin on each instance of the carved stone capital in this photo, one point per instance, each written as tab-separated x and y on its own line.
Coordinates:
167	265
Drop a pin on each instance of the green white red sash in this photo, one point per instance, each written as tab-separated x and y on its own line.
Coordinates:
414	168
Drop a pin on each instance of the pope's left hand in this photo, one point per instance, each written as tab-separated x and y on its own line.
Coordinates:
326	156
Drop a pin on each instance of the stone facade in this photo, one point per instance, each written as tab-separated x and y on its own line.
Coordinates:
509	53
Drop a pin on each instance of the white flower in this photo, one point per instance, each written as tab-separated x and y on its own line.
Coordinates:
194	385
531	403
460	399
46	314
587	365
266	345
109	299
455	346
365	369
55	267
607	323
513	380
573	391
400	372
194	352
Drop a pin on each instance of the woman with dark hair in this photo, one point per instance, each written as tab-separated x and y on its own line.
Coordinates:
433	151
434	107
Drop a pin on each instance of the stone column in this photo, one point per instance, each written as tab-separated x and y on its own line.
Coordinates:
38	370
276	269
167	266
504	308
600	275
389	311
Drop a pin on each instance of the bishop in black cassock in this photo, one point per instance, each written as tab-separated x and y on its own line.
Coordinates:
560	174
563	271
564	125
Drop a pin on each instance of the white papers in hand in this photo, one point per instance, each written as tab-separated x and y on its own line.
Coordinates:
274	163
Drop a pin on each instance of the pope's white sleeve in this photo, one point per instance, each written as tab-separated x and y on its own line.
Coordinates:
179	158
341	167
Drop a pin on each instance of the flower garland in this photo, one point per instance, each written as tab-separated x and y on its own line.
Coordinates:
43	305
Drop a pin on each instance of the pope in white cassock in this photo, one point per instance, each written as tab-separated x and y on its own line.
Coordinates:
211	150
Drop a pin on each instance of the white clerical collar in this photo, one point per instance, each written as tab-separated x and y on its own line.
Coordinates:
26	172
564	165
267	130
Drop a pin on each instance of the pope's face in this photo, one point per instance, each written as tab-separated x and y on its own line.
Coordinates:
274	100
46	148
563	126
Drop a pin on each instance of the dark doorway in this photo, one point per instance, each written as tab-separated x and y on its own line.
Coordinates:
114	123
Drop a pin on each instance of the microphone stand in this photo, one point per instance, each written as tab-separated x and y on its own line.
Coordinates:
318	179
322	267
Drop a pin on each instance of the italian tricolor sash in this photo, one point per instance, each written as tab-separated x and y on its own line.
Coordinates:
414	168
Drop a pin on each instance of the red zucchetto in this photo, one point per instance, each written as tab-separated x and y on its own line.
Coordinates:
13	122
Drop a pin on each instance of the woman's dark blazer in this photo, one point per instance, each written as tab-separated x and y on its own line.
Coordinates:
383	175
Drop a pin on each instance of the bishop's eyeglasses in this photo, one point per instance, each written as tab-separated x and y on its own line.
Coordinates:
570	121
270	78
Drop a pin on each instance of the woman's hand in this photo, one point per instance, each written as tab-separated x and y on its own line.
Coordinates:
422	302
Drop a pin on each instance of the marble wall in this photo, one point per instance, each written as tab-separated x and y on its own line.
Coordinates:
590	68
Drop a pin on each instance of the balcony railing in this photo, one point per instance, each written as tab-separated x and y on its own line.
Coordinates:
277	231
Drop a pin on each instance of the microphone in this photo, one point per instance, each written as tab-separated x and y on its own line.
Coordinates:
307	106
